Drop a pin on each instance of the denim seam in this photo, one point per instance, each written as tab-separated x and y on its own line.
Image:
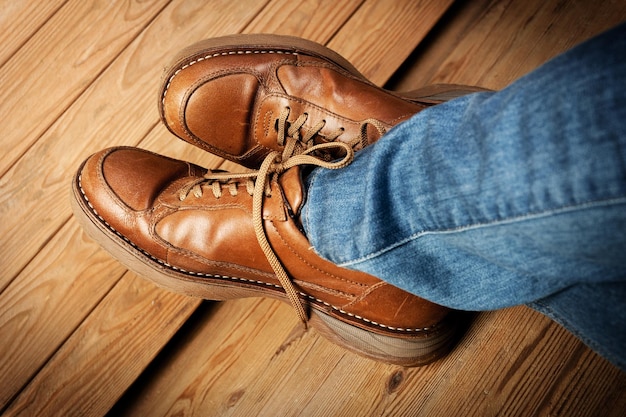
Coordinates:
509	220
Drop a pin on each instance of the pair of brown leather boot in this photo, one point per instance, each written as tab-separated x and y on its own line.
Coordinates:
272	104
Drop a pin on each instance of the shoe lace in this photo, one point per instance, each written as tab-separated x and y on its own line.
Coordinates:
305	139
258	185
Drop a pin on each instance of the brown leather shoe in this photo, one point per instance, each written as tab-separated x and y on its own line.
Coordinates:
220	236
239	97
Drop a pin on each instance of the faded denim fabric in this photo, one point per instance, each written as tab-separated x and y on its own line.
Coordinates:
498	199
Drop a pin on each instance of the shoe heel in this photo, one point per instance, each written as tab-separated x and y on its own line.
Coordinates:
405	351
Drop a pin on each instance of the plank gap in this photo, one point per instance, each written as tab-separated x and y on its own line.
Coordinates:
53	352
187	331
338	29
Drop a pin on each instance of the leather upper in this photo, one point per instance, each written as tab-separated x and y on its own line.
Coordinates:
227	101
138	195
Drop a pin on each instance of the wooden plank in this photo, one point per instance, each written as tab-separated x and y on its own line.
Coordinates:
513	362
521	363
419	68
159	132
30	311
115	109
390	390
61	63
225	361
19	20
489	45
382	34
73	306
314	20
234	361
85	377
48	301
225	366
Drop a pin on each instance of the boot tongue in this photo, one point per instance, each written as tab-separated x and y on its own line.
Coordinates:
293	188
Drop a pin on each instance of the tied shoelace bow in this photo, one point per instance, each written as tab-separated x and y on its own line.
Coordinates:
297	151
258	186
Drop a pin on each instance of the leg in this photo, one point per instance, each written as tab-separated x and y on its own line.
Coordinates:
497	199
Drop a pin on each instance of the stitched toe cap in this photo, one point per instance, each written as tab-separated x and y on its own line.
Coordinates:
119	183
136	176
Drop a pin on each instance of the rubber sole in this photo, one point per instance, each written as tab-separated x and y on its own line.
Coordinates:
415	349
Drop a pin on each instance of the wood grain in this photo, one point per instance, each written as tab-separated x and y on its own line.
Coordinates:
491	43
86	376
42	305
314	20
118	108
382	34
60	64
76	330
251	364
19	20
163	144
235	344
48	301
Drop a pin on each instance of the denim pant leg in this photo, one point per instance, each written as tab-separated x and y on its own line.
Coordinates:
498	199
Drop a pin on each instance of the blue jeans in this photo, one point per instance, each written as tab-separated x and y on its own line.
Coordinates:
498	199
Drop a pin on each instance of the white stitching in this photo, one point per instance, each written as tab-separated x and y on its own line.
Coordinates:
201	274
200	59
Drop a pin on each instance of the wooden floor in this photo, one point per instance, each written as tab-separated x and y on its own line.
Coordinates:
81	336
